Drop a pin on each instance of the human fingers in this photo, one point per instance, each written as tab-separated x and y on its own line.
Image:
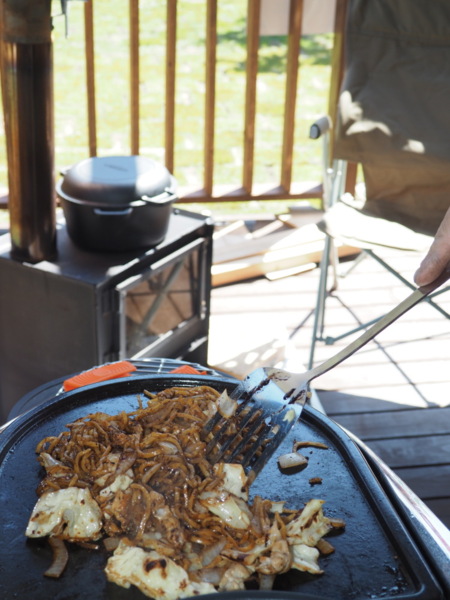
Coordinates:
437	257
431	267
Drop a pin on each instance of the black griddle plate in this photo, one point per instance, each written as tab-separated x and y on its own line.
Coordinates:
374	556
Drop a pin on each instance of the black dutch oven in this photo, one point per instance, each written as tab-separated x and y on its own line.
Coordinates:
117	203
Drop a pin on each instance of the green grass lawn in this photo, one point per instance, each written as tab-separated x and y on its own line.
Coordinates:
112	73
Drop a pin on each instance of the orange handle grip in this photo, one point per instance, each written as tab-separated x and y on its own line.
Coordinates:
97	374
188	370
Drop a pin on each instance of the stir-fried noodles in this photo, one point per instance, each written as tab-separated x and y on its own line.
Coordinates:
178	526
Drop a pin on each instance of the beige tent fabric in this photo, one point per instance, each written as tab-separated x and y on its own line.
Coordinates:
394	111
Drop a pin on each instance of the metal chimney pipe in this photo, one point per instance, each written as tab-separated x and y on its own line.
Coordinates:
27	90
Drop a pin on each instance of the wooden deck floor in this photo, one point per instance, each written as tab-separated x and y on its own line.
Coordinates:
394	394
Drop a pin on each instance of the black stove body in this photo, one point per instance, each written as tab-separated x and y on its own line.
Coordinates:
85	308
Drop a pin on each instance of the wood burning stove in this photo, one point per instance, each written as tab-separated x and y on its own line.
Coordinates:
85	308
63	309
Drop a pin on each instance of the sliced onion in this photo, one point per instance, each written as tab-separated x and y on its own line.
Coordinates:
298	445
211	552
213	575
127	460
111	543
337	523
324	547
48	461
60	557
315	480
266	581
88	545
277	507
226	405
168	448
292	460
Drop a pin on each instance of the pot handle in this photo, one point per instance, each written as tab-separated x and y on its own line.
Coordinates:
112	213
163	198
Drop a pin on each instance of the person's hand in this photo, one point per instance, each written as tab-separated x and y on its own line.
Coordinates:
438	255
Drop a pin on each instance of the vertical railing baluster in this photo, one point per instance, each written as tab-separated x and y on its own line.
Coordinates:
210	95
90	77
293	51
171	49
253	19
134	76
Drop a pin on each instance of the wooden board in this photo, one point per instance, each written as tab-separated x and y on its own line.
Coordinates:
301	215
241	245
276	252
287	244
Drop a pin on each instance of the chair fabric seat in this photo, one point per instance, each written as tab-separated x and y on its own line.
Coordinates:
344	221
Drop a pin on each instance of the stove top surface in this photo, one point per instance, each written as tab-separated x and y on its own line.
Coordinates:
97	267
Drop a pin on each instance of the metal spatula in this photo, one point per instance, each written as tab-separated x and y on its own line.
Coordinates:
264	417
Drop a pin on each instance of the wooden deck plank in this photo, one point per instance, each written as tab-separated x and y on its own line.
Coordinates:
413	422
440	507
427	483
424	451
339	403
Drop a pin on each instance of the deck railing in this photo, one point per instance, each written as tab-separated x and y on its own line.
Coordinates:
243	188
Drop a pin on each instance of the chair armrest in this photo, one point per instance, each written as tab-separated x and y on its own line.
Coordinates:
320	127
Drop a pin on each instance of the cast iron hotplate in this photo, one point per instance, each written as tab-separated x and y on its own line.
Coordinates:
374	557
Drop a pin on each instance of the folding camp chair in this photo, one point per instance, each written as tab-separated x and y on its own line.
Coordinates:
392	119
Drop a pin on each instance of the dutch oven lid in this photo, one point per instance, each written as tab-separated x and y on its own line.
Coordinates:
116	180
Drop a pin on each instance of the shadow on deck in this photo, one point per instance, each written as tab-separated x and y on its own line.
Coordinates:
394	394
